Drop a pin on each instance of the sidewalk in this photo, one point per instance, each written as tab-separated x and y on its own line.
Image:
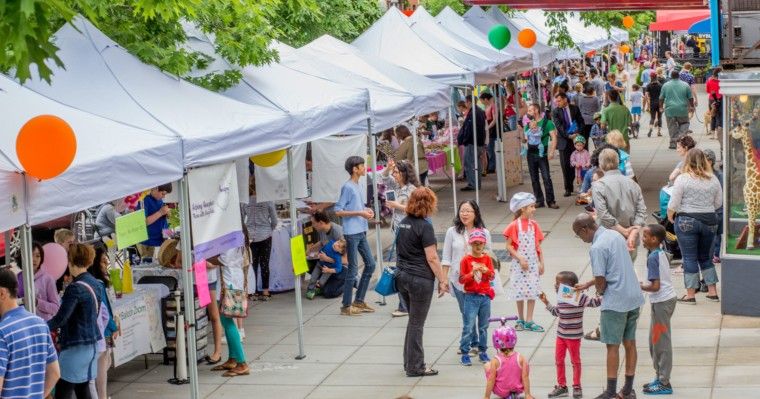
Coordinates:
361	357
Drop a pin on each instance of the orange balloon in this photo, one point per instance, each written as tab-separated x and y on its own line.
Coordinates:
526	38
408	13
625	49
46	146
628	22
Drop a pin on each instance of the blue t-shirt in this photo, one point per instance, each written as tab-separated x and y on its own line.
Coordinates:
25	351
610	259
334	255
155	230
351	200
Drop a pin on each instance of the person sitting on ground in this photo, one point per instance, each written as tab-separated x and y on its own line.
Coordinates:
330	262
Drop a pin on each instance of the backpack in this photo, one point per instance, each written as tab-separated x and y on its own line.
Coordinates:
102	317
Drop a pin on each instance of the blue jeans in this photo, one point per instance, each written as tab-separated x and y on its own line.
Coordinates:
459	295
357	244
512	123
477	310
469	164
696	242
491	155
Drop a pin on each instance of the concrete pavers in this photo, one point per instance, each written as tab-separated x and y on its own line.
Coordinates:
715	356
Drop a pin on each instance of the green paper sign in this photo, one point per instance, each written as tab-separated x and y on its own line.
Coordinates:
131	229
298	255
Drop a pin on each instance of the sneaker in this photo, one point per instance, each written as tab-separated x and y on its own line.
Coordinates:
649	384
399	313
318	291
363	307
466	360
310	294
577	392
658	389
350	311
483	357
631	395
605	395
558	392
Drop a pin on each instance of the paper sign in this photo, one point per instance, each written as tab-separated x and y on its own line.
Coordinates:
214	210
201	283
568	294
131	229
298	255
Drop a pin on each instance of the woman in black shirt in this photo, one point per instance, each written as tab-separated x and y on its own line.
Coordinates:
653	98
418	267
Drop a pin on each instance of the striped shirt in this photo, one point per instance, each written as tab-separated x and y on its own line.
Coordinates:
25	351
571	317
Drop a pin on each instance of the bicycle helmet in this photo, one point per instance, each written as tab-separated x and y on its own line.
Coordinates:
504	337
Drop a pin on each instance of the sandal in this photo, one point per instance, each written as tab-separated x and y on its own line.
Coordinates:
238	370
265	297
687	301
531	326
427	373
592	335
520	325
228	365
212	362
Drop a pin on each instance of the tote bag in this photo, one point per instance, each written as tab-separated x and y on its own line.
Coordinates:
387	284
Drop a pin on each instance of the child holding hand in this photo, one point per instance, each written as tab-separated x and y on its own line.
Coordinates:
569	334
330	262
508	373
524	238
475	273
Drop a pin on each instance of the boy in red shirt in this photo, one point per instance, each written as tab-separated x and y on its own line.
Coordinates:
476	273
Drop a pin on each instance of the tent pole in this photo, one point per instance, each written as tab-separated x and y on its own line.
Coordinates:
499	149
475	143
415	126
27	269
187	280
453	149
376	195
293	233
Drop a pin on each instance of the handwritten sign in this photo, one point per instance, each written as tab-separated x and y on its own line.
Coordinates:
131	229
568	294
135	328
298	255
201	283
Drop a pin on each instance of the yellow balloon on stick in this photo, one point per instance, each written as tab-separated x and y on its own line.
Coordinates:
268	159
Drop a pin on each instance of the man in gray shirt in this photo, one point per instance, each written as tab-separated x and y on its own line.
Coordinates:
615	279
618	200
598	84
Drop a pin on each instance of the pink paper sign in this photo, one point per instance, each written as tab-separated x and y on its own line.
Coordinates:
201	283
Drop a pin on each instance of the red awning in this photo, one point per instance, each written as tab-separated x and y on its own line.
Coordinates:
580	5
674	20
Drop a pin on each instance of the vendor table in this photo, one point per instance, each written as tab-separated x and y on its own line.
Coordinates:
440	161
139	314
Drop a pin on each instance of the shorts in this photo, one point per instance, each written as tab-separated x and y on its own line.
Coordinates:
212	286
616	327
635	110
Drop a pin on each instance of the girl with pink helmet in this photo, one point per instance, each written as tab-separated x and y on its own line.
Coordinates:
507	374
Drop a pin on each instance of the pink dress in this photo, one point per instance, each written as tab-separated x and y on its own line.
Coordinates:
508	375
581	161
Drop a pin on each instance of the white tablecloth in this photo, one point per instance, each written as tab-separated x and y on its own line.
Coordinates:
140	316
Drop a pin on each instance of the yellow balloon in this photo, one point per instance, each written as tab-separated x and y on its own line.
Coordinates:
268	159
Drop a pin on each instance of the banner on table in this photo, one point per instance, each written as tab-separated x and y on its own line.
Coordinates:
272	182
329	156
214	210
131	229
135	328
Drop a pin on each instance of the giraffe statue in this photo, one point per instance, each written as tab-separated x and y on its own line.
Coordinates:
751	187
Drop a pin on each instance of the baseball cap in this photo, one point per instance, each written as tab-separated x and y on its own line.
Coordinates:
477	235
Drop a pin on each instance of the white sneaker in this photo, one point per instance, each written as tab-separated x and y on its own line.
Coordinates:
398	313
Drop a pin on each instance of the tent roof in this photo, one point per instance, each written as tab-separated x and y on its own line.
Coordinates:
321	107
392	39
12	209
388	106
429	95
676	20
477	17
700	27
489	70
102	78
113	159
522	21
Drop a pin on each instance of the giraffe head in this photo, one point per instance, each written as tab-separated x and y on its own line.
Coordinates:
740	131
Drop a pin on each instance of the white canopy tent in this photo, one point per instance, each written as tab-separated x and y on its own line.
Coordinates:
542	55
392	39
320	107
619	35
586	38
13	206
455	48
521	21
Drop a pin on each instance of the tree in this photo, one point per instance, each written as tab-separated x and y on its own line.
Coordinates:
343	19
560	36
609	19
435	6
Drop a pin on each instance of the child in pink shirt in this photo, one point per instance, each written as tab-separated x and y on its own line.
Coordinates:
580	159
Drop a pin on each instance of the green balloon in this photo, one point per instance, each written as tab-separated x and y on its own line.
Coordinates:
499	36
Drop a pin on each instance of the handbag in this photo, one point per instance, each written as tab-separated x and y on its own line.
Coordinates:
387	284
233	302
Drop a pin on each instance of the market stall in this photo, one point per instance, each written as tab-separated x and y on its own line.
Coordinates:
139	315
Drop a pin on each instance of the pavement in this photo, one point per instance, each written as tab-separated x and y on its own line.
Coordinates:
715	356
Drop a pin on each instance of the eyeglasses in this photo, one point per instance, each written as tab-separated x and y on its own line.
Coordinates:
466	211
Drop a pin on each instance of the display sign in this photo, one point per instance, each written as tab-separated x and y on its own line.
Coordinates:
298	255
131	229
214	210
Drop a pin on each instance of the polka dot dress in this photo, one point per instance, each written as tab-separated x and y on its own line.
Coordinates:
525	285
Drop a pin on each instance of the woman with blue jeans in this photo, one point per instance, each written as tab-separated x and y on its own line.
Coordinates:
455	247
403	182
695	197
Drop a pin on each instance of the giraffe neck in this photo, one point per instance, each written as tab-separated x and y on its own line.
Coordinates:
750	156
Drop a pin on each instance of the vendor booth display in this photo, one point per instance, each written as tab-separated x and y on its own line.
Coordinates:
740	253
